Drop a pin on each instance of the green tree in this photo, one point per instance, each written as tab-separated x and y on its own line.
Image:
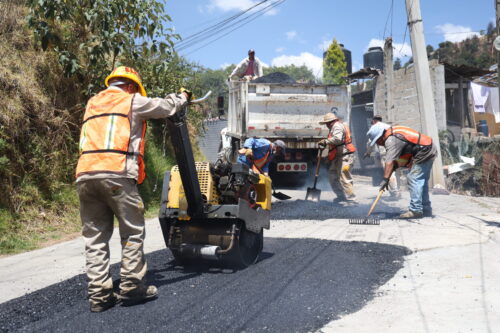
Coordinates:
298	73
334	66
90	38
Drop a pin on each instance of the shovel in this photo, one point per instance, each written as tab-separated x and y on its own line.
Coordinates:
277	195
313	193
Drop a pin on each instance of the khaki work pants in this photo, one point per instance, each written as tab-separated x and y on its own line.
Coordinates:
100	201
340	177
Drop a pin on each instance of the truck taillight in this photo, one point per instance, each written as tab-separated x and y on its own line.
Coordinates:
298	155
281	167
288	167
288	156
303	167
296	167
251	128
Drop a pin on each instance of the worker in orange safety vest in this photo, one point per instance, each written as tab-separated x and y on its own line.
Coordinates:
406	147
110	166
341	157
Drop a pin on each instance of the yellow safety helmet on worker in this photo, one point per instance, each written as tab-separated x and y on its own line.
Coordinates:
127	73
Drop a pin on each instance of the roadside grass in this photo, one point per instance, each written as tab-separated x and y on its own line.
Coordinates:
37	226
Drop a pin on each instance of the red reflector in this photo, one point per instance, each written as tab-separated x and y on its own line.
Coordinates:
251	127
296	167
318	128
288	156
277	127
298	155
303	166
281	167
288	167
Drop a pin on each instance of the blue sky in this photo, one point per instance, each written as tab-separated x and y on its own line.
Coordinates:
297	31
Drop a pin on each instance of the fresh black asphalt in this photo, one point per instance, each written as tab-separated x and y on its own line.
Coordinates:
298	285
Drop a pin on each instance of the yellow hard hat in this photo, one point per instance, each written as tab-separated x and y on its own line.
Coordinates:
128	73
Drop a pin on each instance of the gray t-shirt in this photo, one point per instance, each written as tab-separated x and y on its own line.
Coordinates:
396	147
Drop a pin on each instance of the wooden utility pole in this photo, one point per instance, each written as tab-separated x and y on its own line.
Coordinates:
388	79
424	85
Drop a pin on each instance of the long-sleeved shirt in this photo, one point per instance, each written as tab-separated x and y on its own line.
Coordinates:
143	108
336	137
260	147
240	70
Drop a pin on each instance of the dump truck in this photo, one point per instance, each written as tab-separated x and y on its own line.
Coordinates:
287	111
212	211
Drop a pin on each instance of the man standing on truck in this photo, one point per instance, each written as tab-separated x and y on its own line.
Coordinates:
110	166
393	180
248	69
407	148
341	157
258	153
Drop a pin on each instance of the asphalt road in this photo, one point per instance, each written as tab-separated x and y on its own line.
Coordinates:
317	273
299	285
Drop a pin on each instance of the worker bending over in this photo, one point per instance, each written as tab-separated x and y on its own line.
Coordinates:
405	147
258	153
341	157
110	166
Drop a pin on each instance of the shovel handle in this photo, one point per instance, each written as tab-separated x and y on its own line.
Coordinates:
318	163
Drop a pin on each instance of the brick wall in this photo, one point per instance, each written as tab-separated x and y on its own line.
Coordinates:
405	106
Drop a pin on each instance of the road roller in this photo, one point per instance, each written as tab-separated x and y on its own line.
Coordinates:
212	211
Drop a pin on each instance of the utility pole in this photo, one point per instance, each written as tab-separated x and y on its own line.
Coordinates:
497	8
388	78
424	85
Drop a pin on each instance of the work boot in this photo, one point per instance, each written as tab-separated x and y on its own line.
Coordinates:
103	306
411	215
139	295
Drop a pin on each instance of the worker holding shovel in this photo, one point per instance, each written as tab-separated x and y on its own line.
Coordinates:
340	155
406	147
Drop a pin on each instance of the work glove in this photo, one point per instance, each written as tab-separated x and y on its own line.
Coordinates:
385	185
249	154
322	143
188	92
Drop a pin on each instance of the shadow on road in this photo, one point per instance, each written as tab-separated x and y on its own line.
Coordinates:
299	286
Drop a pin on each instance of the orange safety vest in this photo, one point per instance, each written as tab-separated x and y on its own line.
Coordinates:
347	142
257	165
106	134
408	135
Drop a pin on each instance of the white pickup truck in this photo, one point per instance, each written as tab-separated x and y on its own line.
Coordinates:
290	112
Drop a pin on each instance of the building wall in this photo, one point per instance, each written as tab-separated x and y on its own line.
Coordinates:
405	106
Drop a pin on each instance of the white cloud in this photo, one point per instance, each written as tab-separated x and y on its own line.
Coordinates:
279	49
455	33
314	63
324	45
398	50
291	35
228	5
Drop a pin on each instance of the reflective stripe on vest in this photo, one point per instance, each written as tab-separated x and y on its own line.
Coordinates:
347	142
408	135
257	165
105	135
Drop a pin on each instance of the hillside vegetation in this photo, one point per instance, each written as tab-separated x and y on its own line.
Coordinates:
52	58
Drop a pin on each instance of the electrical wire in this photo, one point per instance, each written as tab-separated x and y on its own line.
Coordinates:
216	26
233	23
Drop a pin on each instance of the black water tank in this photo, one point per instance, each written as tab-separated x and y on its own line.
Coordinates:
348	58
374	58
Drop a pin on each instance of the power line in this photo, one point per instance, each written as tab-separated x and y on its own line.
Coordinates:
249	18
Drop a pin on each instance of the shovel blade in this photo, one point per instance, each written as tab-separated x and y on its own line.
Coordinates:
313	194
280	196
